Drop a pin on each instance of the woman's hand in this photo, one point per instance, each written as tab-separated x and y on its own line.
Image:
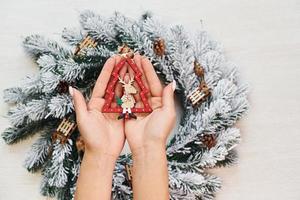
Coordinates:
154	128
101	132
104	139
147	136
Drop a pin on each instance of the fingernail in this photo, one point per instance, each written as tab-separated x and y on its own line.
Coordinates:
71	91
174	85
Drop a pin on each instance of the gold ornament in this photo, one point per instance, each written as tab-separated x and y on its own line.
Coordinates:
159	47
125	51
87	42
64	131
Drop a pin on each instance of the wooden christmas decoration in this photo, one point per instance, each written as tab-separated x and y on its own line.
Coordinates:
127	100
198	69
128	169
87	42
159	47
209	140
126	104
202	92
125	51
64	131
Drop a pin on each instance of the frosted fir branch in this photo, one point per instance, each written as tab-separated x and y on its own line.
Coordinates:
210	157
50	81
99	52
225	89
12	135
57	172
123	28
99	28
229	138
193	186
203	44
201	159
60	105
37	155
36	109
72	36
215	117
190	165
154	28
13	95
182	56
31	84
230	159
47	63
37	45
212	63
18	115
33	110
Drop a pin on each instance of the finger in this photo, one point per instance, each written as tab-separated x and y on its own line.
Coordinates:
151	77
79	101
138	61
102	81
168	97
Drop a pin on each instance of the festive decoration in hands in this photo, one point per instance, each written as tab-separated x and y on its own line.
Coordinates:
126	104
64	130
87	42
202	92
39	107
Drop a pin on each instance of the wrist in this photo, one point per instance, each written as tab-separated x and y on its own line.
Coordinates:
149	149
102	156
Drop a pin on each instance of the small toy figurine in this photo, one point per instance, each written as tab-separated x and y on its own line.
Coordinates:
126	104
127	100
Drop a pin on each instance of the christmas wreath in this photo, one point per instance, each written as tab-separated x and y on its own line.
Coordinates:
210	94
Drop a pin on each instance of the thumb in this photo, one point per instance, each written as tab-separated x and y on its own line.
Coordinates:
78	100
168	96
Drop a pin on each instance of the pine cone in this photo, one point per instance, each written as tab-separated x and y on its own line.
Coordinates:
198	69
80	144
209	140
62	87
159	47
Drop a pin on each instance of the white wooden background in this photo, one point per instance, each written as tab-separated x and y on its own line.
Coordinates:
261	36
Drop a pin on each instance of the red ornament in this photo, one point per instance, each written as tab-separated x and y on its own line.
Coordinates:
110	89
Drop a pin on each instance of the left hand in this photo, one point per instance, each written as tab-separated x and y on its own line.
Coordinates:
102	133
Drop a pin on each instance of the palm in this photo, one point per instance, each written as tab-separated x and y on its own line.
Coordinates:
102	131
150	125
156	125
